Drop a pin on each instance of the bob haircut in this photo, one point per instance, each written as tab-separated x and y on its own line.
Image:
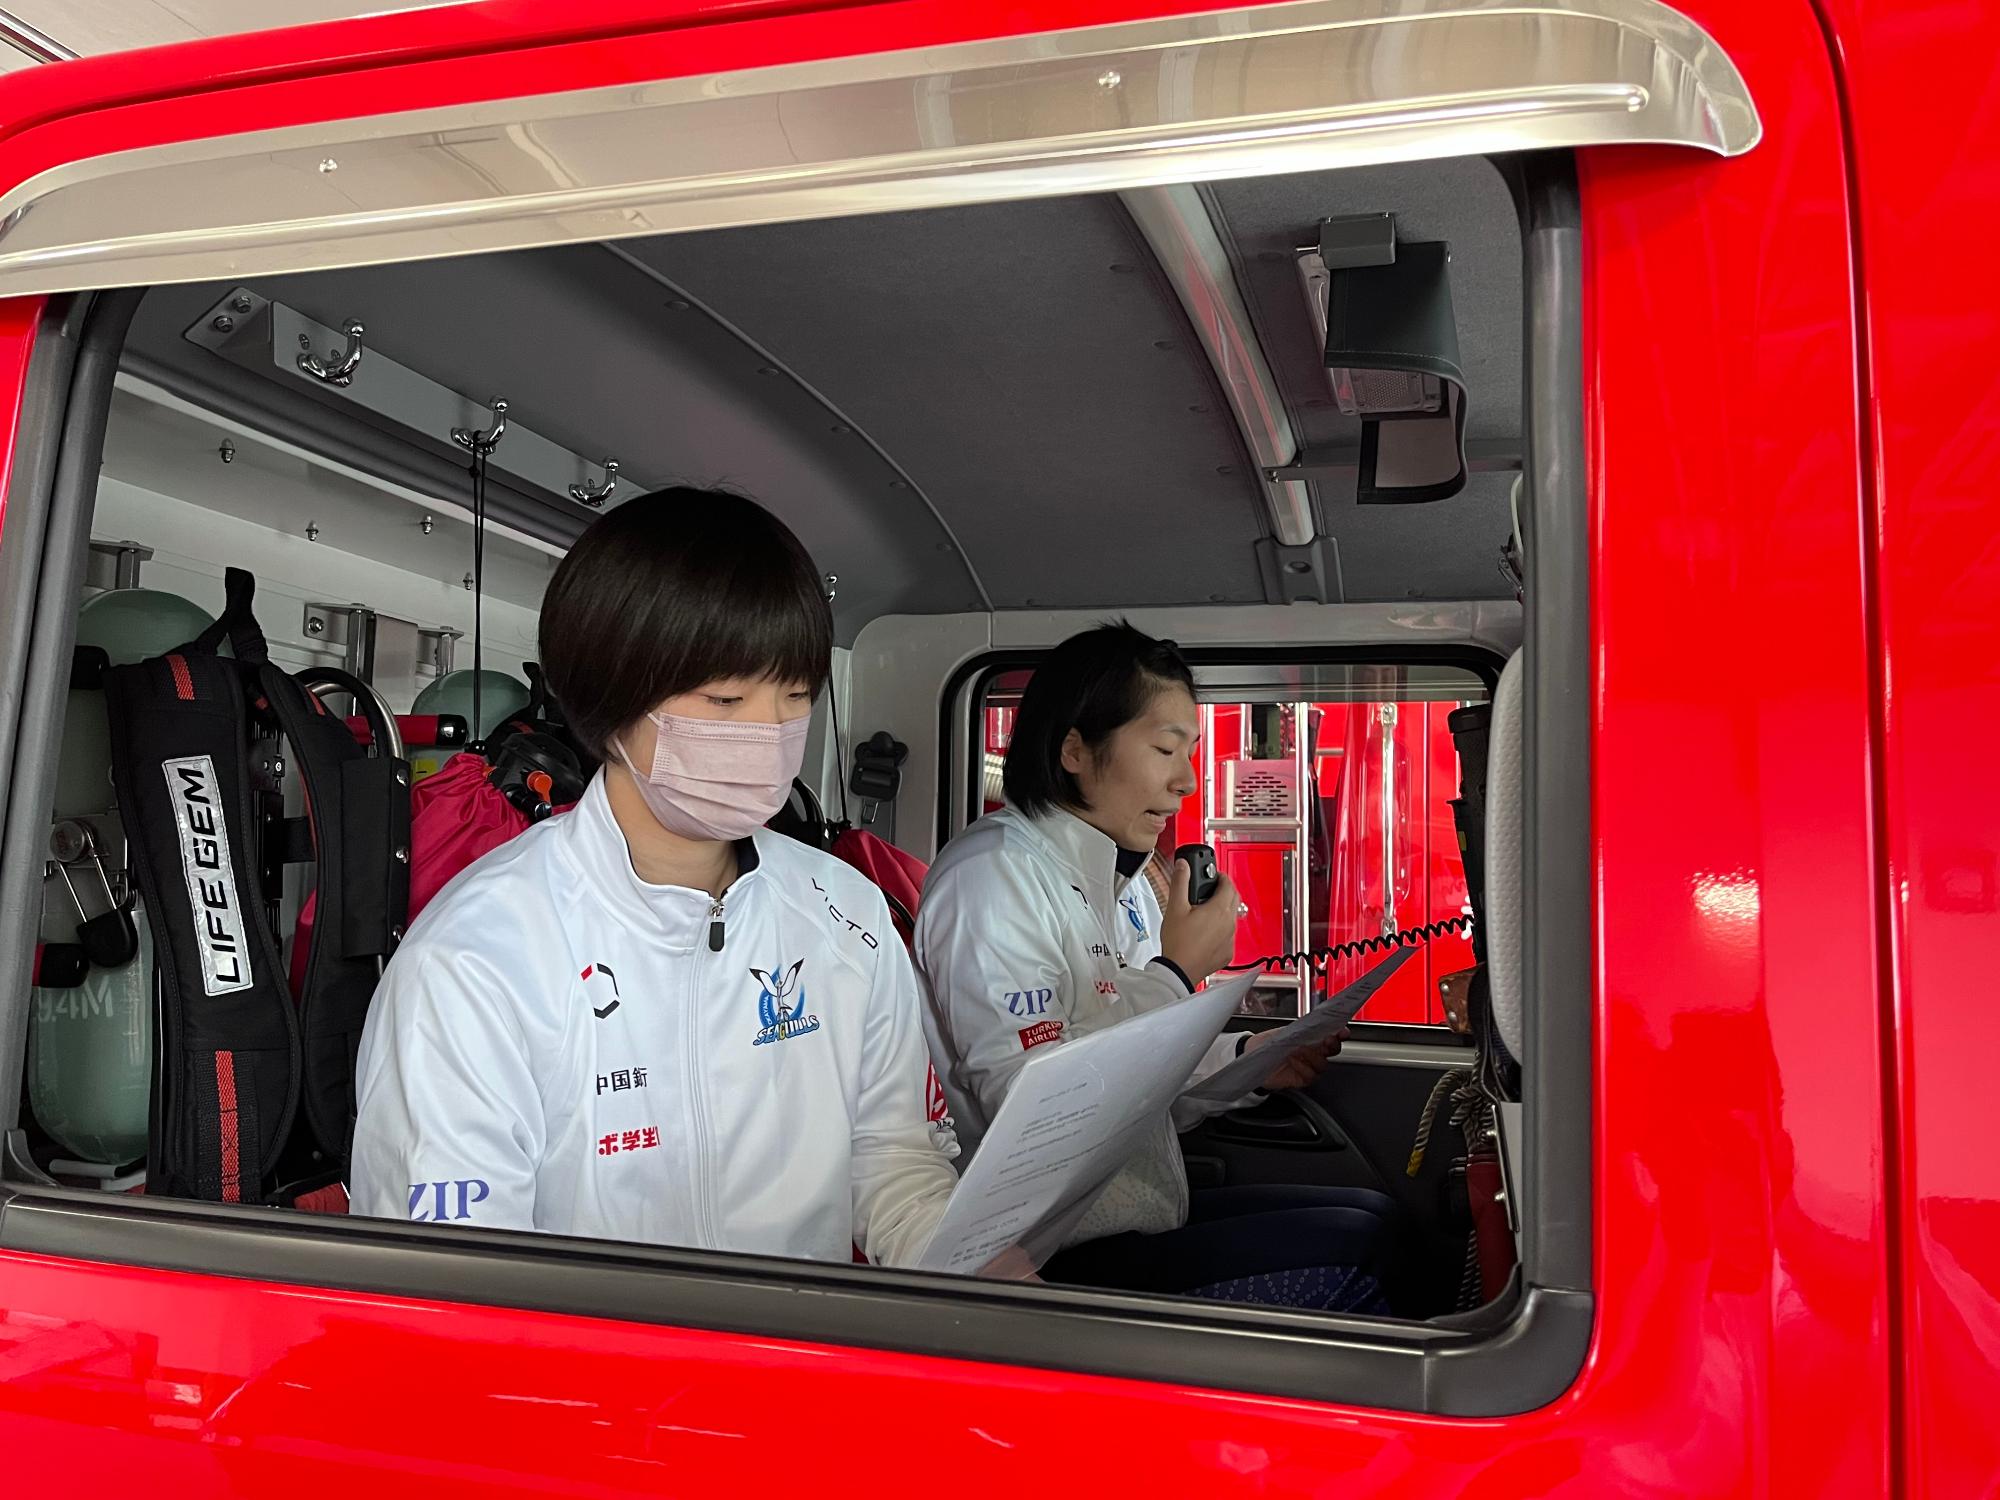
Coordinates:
1094	683
671	590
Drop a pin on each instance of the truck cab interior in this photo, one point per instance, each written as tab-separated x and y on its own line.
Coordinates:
1321	427
990	425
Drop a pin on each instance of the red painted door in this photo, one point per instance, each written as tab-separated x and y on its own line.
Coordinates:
1740	1219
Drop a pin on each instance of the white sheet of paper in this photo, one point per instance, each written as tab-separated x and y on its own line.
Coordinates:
1251	1069
1068	1124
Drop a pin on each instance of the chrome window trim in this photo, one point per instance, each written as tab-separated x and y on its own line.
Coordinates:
1280	88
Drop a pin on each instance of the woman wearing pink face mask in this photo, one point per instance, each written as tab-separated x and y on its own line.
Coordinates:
650	1019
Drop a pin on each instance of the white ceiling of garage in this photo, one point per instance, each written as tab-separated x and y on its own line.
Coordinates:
88	27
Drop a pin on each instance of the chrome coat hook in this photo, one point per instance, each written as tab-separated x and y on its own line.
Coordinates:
484	441
595	495
341	370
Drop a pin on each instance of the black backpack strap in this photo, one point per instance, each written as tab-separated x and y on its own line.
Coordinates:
228	1041
237	624
358	808
541	715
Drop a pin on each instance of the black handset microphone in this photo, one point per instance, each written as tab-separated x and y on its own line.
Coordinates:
1203	872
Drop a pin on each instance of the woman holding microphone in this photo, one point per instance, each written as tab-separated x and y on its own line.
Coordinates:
1038	927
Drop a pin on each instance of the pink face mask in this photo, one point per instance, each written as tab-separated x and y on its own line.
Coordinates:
714	779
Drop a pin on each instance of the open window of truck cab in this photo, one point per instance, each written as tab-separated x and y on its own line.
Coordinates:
1023	323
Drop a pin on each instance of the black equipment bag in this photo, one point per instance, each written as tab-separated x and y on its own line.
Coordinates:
238	1052
357	827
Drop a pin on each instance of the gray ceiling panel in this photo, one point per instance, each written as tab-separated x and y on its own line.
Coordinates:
1446	550
1020	380
1002	403
593	353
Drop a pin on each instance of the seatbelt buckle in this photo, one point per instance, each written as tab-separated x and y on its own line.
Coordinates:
878	772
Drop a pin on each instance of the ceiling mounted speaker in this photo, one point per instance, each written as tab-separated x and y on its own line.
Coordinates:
1392	358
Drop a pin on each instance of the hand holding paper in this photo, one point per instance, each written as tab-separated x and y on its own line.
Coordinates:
1074	1116
1254	1068
1301	1064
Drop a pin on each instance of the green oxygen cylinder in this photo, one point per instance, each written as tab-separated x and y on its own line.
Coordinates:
129	625
500	697
90	1048
90	1058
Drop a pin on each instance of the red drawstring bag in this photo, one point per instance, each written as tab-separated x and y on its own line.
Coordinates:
899	876
456	816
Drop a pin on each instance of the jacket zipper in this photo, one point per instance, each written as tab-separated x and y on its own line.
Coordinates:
704	1198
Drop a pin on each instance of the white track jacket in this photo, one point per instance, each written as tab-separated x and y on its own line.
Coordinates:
559	1046
1027	937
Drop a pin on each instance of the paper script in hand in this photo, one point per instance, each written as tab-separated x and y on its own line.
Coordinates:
1072	1119
1257	1064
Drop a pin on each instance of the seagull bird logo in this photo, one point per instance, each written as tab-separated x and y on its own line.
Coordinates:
779	999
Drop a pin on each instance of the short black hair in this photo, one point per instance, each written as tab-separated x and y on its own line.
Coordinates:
1094	683
671	590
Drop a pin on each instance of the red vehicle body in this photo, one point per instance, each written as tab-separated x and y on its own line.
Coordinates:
1792	697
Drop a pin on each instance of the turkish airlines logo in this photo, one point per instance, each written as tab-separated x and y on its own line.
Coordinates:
605	970
1041	1031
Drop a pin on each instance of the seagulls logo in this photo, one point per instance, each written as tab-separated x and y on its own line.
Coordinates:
781	1005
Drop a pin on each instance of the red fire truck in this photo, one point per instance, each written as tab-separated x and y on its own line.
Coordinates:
1025	317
